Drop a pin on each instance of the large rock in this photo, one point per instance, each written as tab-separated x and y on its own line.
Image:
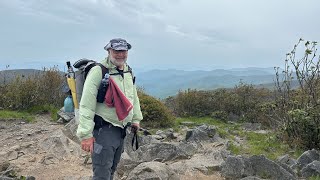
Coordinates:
286	159
266	168
201	133
308	157
240	167
163	152
59	145
205	163
152	149
126	165
143	140
312	169
65	116
152	171
187	149
70	130
236	167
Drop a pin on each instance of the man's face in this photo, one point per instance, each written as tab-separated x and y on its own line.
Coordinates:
118	58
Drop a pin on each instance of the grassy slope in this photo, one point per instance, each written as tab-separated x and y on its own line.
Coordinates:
29	115
254	143
12	115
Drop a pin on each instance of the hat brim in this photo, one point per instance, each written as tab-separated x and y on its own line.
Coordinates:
118	48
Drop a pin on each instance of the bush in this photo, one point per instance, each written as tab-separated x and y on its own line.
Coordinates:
221	115
40	89
244	102
155	113
298	113
192	103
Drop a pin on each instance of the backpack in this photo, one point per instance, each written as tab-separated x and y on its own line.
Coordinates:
83	67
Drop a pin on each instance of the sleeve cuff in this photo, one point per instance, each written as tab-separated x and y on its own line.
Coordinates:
136	121
85	137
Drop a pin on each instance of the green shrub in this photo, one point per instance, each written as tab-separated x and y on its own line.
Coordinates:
155	113
6	115
317	177
298	112
43	88
222	115
52	110
192	103
245	102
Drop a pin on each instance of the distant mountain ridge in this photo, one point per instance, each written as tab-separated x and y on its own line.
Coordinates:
9	75
164	83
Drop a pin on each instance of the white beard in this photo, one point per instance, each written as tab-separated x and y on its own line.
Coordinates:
116	63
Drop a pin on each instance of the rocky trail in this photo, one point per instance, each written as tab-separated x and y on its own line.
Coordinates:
45	150
22	146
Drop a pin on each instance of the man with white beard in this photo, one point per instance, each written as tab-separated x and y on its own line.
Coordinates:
100	129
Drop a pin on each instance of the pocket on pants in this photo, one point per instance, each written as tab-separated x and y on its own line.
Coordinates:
99	159
97	148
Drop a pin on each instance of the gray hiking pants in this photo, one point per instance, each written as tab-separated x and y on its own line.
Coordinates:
104	162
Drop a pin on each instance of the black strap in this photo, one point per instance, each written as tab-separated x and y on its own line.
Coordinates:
104	70
135	141
119	73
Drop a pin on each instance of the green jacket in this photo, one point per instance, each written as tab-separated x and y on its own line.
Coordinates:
89	105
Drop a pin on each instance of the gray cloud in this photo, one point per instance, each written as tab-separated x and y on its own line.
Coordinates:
194	34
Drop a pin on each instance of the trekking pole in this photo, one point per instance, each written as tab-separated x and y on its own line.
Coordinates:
72	84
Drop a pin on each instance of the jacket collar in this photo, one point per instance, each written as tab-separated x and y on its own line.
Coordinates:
108	64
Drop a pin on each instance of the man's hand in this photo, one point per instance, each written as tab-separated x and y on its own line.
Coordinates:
87	144
135	127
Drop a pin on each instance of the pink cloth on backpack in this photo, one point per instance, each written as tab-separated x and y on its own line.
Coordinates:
115	98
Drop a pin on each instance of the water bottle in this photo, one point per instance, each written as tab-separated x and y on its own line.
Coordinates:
103	88
68	104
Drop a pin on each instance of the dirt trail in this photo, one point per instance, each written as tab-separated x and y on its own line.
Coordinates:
22	139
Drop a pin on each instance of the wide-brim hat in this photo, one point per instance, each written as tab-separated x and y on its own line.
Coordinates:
118	44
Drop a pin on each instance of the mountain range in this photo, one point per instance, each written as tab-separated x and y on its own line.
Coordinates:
164	83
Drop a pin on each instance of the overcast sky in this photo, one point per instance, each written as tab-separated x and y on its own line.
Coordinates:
182	34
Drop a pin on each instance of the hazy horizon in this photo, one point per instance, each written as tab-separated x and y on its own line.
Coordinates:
63	67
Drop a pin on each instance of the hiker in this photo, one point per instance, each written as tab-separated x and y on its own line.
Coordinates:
102	128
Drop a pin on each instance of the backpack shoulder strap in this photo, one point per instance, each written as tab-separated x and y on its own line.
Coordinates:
129	71
133	77
87	68
104	69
